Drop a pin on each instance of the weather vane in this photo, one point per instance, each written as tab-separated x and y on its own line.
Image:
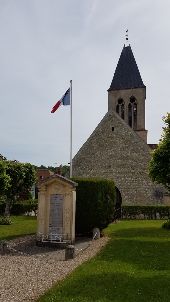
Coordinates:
127	37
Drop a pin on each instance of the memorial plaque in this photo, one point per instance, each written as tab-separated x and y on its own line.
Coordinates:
56	211
56	214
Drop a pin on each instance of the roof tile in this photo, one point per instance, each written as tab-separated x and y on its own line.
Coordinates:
127	75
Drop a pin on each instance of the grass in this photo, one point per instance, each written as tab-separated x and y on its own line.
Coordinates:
134	266
21	225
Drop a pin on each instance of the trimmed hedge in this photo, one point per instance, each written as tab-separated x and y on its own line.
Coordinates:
22	207
145	212
95	200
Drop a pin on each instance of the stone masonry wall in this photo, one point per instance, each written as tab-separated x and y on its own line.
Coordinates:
126	94
115	151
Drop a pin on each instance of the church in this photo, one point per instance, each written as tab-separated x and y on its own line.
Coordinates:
117	149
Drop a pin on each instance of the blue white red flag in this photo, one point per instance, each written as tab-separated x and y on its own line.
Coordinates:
65	100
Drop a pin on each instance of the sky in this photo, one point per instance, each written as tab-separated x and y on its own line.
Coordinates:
46	43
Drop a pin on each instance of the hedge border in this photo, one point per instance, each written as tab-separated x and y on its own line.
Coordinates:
145	212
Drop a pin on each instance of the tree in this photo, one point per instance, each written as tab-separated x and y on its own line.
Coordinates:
4	178
65	171
2	157
16	180
159	166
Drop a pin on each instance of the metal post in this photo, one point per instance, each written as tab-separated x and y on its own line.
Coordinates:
70	128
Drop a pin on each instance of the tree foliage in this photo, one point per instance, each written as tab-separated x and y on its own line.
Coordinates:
159	167
2	157
4	178
22	177
16	180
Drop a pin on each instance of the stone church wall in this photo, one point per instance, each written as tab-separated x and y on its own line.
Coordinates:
115	151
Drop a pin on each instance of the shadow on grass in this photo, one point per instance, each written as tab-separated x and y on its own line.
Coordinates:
110	287
146	248
147	232
132	267
144	255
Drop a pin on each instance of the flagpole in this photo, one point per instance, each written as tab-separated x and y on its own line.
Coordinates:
70	128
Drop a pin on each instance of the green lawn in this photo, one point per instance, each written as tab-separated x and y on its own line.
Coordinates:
21	225
133	267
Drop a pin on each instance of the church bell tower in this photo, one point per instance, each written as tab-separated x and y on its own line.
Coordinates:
127	93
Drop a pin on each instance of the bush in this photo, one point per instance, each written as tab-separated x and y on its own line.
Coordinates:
94	204
166	225
5	220
145	212
20	207
25	206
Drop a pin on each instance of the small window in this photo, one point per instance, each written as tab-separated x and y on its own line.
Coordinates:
117	108
132	113
113	128
120	108
120	101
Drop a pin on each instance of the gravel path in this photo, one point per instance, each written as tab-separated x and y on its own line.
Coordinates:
29	271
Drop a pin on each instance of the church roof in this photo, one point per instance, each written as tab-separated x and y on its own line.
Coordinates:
127	75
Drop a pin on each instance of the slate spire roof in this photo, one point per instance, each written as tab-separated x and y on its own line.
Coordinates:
127	75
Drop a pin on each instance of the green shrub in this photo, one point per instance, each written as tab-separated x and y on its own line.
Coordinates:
94	204
5	220
25	206
145	212
18	208
166	225
21	207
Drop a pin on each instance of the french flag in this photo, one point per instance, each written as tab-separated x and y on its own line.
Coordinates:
65	100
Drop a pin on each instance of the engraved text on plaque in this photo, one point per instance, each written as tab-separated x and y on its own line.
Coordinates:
56	214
